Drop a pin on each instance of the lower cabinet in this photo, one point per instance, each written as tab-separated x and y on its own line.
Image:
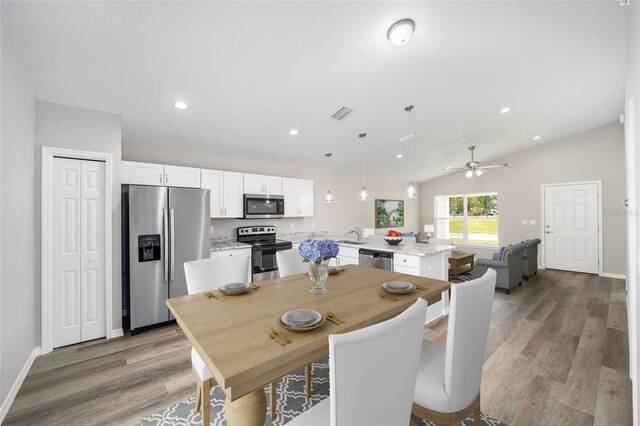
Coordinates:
236	252
348	256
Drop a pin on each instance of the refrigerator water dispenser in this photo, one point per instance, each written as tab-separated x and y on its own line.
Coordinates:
148	248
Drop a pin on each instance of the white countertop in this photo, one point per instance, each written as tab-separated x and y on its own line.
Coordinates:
415	249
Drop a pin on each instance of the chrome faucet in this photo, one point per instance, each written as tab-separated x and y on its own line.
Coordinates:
357	232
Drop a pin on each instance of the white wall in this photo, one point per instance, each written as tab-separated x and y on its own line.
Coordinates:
77	128
597	154
18	253
342	215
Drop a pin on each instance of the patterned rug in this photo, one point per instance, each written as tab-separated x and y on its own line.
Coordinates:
291	402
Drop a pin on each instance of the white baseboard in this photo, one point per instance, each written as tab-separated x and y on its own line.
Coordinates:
611	275
540	267
117	332
11	396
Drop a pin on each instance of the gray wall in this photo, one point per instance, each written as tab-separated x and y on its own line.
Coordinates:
17	222
76	128
597	154
337	218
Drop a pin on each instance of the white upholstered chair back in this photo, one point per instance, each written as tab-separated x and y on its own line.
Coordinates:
290	263
373	370
209	274
469	316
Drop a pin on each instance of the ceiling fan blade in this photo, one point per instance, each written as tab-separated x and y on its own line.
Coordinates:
457	171
455	168
494	166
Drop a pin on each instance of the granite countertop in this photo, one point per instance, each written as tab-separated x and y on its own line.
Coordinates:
415	249
227	243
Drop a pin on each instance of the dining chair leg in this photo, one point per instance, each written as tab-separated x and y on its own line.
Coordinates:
307	380
206	402
272	399
196	406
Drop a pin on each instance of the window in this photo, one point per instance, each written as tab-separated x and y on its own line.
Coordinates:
467	219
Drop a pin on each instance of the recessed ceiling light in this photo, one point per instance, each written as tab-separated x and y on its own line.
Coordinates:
401	32
399	156
537	138
505	110
293	132
181	105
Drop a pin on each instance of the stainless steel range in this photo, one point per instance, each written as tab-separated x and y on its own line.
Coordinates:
263	252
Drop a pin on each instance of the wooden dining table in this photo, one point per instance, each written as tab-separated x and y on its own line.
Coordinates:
231	333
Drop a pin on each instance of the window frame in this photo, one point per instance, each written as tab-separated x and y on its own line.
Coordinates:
465	217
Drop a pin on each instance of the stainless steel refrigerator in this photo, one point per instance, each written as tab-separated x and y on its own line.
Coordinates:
165	228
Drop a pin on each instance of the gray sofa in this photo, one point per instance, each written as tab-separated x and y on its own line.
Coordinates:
530	258
509	269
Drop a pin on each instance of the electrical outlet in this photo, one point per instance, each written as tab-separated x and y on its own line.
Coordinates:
211	229
532	222
524	222
313	225
291	226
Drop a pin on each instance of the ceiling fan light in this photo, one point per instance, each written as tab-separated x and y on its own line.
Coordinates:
364	196
329	197
469	174
479	172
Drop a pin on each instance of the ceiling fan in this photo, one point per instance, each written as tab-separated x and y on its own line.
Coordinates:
474	167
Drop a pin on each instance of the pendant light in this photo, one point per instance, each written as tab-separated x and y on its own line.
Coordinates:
364	196
329	197
411	188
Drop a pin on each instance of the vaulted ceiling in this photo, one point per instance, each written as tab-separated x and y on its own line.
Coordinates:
251	71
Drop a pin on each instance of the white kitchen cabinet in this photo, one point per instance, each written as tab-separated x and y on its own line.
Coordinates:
298	197
348	256
225	192
134	173
235	252
186	177
261	184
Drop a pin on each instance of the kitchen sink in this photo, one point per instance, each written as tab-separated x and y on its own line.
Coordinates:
352	242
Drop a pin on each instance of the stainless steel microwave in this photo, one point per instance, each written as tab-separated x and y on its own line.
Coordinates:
261	206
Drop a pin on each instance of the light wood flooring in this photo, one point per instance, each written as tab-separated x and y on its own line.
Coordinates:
557	354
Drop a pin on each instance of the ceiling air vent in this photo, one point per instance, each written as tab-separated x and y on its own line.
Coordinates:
342	113
409	137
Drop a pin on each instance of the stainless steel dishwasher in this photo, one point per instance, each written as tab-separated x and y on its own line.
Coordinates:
376	259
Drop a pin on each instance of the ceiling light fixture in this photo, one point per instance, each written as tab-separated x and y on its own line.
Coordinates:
469	174
181	105
537	138
401	32
364	196
505	110
293	132
411	188
399	156
479	172
329	197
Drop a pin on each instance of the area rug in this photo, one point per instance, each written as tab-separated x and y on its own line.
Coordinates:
291	402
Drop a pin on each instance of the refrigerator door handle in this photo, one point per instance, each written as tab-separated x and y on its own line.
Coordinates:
173	252
165	220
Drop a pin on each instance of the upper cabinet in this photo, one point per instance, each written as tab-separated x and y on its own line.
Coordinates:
134	173
142	173
226	192
261	184
298	197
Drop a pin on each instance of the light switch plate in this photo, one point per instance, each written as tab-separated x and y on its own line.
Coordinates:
524	221
532	222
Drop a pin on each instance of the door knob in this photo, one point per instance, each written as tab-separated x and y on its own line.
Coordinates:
549	232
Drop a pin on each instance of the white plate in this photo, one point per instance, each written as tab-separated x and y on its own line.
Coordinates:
301	318
397	285
235	287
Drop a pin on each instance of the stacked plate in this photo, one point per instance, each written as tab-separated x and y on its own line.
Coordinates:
301	320
335	270
398	287
233	289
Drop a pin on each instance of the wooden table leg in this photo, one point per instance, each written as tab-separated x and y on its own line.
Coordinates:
250	410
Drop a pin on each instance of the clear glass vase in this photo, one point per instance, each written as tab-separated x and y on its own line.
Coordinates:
318	274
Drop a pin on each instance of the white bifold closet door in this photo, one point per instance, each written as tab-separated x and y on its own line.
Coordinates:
79	251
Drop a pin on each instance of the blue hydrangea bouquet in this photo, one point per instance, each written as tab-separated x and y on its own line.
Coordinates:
318	253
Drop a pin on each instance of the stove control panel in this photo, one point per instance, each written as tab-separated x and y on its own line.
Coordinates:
257	230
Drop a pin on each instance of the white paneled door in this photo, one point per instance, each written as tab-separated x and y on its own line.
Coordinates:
79	251
571	233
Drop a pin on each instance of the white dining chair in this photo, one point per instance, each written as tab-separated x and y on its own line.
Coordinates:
206	275
372	373
449	376
290	263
